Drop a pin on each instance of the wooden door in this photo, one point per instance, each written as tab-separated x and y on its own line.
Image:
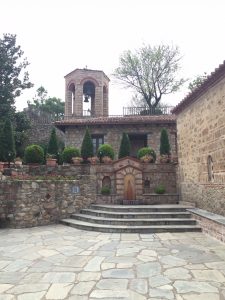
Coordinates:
129	187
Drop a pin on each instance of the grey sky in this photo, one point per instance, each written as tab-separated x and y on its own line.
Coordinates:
58	36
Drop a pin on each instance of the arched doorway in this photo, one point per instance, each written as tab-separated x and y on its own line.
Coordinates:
129	187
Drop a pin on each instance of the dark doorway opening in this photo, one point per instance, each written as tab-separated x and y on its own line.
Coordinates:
137	141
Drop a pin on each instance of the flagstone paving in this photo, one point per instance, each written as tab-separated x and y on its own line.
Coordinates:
59	262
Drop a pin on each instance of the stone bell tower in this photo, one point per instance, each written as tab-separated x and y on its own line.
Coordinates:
86	93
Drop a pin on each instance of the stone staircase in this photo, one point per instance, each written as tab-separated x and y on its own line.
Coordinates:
133	219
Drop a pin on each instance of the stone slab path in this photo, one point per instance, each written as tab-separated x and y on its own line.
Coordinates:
59	262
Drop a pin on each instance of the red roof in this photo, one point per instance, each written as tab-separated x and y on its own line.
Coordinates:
209	82
116	120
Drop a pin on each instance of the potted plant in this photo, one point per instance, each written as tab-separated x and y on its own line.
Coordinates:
106	159
18	161
147	158
51	160
77	160
160	189
105	153
69	153
147	155
34	154
165	156
93	160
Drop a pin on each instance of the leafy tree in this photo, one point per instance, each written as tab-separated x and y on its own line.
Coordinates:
21	125
1	144
164	142
125	146
13	79
51	105
53	144
151	72
87	146
8	151
197	81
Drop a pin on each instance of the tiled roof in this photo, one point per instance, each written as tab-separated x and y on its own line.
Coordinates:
117	120
210	81
84	69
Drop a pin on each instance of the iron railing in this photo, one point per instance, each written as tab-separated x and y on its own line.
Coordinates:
128	111
143	111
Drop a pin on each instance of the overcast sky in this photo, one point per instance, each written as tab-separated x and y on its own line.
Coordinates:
59	36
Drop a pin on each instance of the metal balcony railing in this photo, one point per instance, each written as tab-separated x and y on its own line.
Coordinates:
129	111
144	111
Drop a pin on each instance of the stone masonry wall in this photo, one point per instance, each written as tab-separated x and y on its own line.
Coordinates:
41	202
200	133
113	134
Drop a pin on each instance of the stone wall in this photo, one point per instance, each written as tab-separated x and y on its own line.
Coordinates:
201	135
147	177
41	127
113	134
41	202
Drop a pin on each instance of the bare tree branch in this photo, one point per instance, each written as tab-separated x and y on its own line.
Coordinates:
151	72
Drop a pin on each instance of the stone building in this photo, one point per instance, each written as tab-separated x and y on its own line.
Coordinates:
201	144
41	127
86	104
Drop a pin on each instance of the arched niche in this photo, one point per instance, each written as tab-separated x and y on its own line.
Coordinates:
106	182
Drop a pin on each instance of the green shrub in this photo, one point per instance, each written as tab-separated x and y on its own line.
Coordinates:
164	143
70	152
160	189
105	190
146	151
53	148
34	154
87	146
124	146
105	150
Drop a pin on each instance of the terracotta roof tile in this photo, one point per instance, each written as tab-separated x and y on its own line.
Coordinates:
211	80
117	120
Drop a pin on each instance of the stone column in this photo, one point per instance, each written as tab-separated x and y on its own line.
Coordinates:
98	101
105	103
78	104
68	104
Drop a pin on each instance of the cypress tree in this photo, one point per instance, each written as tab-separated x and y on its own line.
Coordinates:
87	146
164	143
8	142
53	147
125	146
1	143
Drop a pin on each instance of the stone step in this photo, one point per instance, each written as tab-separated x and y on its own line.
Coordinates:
134	221
129	229
136	215
140	208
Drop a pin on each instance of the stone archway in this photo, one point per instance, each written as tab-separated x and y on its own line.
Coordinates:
128	175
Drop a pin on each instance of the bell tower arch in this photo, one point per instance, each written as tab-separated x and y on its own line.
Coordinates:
86	93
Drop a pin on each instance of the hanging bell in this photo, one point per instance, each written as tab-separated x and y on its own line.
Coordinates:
86	98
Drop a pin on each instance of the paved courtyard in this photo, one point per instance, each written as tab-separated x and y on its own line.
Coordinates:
59	262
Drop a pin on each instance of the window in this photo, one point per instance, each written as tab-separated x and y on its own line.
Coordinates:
137	141
97	141
210	168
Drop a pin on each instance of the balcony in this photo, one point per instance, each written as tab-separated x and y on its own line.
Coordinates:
146	111
128	111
